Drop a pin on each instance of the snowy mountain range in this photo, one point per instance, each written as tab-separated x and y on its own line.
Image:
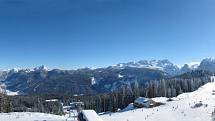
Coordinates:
169	67
86	80
163	65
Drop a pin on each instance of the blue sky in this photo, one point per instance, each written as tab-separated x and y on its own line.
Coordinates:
77	33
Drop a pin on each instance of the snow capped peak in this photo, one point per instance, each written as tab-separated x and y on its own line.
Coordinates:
41	68
27	70
209	59
164	65
207	64
189	67
194	65
14	70
154	64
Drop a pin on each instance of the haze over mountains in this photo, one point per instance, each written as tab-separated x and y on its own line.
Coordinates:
90	81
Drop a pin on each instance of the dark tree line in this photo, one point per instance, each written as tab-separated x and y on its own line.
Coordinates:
5	104
29	104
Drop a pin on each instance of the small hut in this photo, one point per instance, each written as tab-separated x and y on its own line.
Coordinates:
144	102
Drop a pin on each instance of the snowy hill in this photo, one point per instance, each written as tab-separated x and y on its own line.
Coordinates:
30	116
194	106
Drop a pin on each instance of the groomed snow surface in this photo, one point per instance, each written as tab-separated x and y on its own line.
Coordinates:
194	106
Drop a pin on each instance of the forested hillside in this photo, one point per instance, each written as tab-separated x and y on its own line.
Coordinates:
81	81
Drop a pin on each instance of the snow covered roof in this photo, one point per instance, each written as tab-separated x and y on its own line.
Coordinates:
91	115
52	100
141	100
75	103
129	107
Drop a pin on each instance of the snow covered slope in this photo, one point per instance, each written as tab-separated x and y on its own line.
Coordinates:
30	116
194	106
